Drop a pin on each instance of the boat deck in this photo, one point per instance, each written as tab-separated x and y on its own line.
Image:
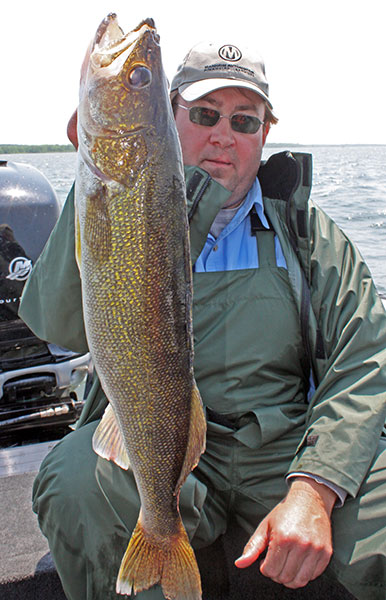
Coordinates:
26	568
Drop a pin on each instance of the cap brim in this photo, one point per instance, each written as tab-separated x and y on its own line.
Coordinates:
198	89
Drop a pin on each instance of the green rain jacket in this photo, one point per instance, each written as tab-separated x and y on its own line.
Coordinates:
342	319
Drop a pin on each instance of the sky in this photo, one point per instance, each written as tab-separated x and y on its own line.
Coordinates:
325	60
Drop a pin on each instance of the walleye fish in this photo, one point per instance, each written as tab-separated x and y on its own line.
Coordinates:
133	251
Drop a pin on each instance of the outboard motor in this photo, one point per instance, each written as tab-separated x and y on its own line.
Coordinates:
29	210
41	385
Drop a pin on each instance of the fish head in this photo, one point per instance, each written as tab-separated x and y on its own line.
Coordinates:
124	108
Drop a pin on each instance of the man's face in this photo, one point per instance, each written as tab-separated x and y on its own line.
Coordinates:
230	157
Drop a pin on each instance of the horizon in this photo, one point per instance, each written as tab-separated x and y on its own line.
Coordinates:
71	148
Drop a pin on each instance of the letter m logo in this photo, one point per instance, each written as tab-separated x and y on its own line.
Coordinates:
230	53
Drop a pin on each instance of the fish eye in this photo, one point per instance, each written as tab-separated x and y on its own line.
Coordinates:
139	77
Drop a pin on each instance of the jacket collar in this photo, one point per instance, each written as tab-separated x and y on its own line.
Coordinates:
283	173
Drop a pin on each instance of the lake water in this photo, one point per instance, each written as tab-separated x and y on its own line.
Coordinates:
349	184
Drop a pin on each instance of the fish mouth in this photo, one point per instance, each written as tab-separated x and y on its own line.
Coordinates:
111	44
110	25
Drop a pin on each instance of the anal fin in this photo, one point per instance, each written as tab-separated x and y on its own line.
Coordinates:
196	439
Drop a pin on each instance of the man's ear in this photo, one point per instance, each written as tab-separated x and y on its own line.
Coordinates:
266	128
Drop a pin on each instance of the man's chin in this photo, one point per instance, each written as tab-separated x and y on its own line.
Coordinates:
218	175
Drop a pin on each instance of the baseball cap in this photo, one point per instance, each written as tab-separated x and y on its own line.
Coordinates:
209	66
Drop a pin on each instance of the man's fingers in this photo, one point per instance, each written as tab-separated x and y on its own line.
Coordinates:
275	561
255	546
306	573
72	129
294	567
296	571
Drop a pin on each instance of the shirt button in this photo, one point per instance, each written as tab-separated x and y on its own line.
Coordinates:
215	248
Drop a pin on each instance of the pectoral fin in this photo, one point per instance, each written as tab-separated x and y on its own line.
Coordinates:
107	440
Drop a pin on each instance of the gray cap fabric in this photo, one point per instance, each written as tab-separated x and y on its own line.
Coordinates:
209	66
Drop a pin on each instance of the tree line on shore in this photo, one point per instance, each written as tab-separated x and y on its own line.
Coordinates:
35	149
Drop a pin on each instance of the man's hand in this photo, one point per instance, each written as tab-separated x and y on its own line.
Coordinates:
72	133
297	535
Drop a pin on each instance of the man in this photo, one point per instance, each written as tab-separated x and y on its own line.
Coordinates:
291	304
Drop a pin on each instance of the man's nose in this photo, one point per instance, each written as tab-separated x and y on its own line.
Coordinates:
222	133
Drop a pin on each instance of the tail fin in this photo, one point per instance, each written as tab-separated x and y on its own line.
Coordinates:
174	567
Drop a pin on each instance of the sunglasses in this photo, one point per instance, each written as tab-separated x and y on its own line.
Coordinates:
209	117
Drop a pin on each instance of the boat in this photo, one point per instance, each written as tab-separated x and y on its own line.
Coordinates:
42	391
42	386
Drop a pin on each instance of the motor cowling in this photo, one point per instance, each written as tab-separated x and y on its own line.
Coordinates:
42	386
29	209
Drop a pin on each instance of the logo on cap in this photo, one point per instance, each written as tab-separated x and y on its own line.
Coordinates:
230	53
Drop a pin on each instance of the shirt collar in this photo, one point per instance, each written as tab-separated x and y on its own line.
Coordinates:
254	197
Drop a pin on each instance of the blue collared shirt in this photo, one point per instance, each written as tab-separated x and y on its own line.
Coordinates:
235	248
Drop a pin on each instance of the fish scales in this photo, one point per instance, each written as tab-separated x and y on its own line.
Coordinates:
133	253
